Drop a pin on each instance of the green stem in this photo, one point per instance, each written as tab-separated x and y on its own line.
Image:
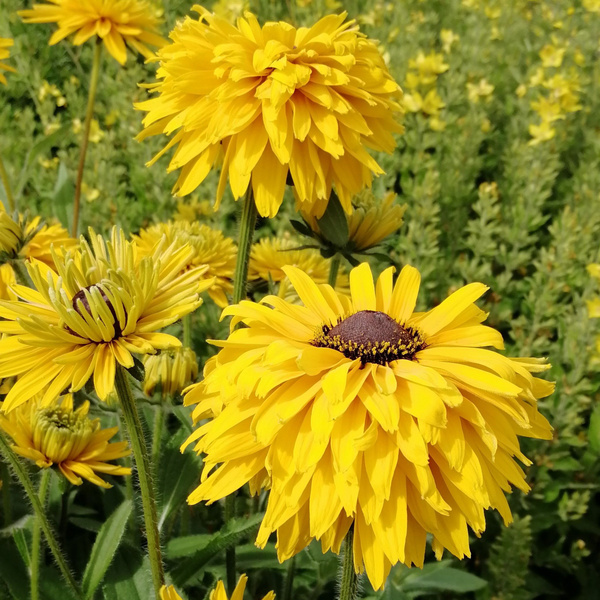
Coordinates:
334	267
240	282
349	579
140	455
40	515
6	508
247	225
89	113
37	538
288	590
6	183
21	274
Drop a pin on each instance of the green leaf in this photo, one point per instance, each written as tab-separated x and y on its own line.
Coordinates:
138	370
13	573
301	227
52	585
129	577
333	223
594	430
105	547
186	545
177	476
227	537
451	580
38	148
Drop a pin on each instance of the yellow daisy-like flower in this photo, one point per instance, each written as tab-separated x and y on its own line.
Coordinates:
57	434
7	280
5	44
371	221
171	371
117	23
219	593
210	248
100	307
270	256
22	238
272	103
361	412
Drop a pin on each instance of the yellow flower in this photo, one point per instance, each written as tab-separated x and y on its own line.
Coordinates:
210	248
448	38
428	66
481	89
219	593
552	56
436	124
372	220
100	307
361	412
7	280
192	210
115	22
270	256
594	304
541	133
171	371
521	90
230	10
22	238
57	434
271	102
548	109
591	5
5	44
430	105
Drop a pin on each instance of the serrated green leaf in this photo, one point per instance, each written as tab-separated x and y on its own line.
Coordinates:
105	547
229	536
333	224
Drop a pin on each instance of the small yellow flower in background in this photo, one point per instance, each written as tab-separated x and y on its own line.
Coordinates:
579	58
552	56
496	34
565	90
209	248
117	23
493	12
430	105
91	194
521	90
22	238
193	209
548	109
480	90
171	371
57	434
100	305
428	66
111	118
591	5
448	38
48	89
219	593
436	124
231	10
537	78
594	304
5	44
372	220
49	163
541	133
280	103
270	256
96	133
360	412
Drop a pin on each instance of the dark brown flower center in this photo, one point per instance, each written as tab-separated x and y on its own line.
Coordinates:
80	299
371	336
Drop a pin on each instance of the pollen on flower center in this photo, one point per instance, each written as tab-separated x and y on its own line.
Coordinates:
372	336
82	299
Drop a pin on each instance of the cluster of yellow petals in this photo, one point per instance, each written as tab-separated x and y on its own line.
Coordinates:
273	103
100	305
219	593
5	44
397	450
117	23
170	371
57	434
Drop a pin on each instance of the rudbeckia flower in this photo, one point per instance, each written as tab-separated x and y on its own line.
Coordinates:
219	593
273	104
170	371
97	309
359	412
210	248
117	23
5	44
59	435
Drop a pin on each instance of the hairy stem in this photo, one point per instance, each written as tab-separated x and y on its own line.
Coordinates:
37	538
288	590
6	183
89	113
348	576
23	477
142	463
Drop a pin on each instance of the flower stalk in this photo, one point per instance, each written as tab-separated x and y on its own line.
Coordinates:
37	537
86	133
23	477
6	183
349	582
142	463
